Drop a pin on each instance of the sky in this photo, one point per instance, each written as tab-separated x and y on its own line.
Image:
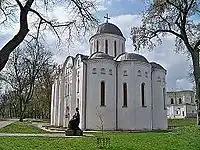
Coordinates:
125	14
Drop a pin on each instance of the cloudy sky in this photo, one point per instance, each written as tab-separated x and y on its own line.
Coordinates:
125	14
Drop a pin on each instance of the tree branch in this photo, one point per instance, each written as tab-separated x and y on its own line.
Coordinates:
197	45
19	4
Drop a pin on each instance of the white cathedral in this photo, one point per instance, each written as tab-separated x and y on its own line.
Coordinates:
113	88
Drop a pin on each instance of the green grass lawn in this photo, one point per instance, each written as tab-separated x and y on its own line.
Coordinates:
21	127
181	122
182	138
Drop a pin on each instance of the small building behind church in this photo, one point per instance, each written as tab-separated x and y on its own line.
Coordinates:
123	89
181	104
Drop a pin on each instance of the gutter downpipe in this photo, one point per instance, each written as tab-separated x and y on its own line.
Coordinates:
85	70
152	96
116	92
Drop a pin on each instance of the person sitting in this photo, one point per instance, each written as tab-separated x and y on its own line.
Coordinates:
74	122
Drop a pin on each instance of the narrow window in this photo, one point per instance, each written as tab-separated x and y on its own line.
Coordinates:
78	74
122	47
110	72
146	74
67	89
102	93
183	113
78	62
159	79
139	73
172	101
125	95
142	93
164	98
106	47
103	71
180	101
177	112
115	48
97	45
94	71
77	105
125	73
78	82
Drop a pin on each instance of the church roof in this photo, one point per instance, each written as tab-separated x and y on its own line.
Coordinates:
131	56
109	28
100	55
83	57
157	66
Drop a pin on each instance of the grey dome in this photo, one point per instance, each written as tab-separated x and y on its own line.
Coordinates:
100	55
109	28
131	56
157	66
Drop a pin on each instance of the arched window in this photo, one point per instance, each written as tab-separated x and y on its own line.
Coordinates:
97	45
180	101
106	46
102	93
172	101
115	48
124	95
142	94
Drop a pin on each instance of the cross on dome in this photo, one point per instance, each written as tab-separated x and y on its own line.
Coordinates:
106	17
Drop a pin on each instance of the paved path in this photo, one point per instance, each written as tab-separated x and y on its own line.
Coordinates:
4	123
43	135
7	122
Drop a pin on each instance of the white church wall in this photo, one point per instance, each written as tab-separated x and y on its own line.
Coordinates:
143	117
159	102
67	91
83	87
126	115
52	103
94	110
61	100
56	101
80	90
66	100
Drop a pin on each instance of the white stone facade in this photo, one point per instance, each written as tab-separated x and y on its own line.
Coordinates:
181	104
123	89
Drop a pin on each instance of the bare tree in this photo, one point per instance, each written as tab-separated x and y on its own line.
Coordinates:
41	100
20	11
23	71
177	18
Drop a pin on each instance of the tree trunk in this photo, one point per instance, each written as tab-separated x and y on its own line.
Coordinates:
21	115
196	73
